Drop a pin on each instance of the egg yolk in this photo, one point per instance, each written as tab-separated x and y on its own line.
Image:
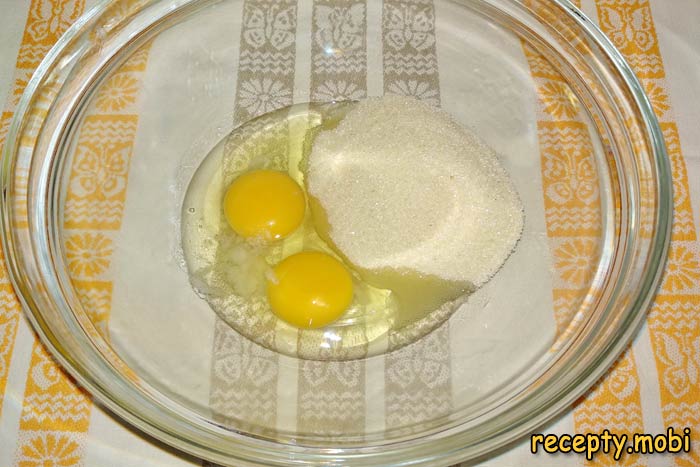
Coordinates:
310	289
264	204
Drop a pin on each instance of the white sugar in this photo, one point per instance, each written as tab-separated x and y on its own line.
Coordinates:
406	187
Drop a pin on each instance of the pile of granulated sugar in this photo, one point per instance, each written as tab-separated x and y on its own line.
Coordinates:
406	187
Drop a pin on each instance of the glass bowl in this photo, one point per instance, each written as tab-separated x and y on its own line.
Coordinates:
128	103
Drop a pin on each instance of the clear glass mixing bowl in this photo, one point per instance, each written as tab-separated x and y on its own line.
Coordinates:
131	99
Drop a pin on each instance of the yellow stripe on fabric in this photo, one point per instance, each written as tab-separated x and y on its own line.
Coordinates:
46	21
613	403
55	412
573	221
9	320
674	320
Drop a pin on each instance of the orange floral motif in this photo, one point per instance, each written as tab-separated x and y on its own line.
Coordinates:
570	175
540	67
96	298
45	372
21	80
50	19
614	402
622	382
680	354
49	450
100	170
5	119
559	101
88	254
628	24
55	413
47	94
658	97
119	92
680	198
682	270
680	176
574	260
5	332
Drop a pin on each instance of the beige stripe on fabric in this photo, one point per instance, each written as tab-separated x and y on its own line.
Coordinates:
244	375
410	56
339	51
417	377
331	396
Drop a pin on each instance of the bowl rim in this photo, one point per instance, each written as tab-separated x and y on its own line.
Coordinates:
445	449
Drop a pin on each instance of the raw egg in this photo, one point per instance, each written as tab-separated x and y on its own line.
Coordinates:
264	204
297	232
310	289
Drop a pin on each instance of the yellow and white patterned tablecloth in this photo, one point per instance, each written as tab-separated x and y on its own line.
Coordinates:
46	421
